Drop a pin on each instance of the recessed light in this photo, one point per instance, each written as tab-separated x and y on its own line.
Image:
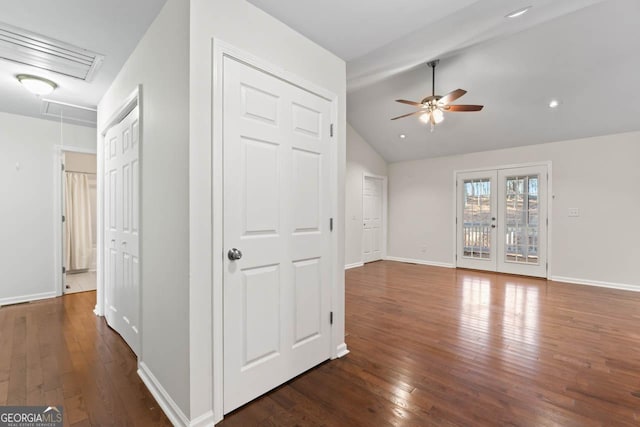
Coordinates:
554	103
519	12
36	85
402	136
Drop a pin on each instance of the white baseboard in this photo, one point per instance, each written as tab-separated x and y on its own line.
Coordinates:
204	420
354	265
341	351
27	298
612	285
168	405
420	261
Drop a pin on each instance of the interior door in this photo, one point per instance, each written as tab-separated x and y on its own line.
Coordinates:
477	220
502	220
121	208
372	189
276	231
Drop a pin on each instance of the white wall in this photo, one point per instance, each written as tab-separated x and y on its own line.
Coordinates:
27	264
241	24
598	175
160	63
361	159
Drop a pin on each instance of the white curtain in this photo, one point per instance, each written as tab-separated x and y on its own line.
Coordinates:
78	239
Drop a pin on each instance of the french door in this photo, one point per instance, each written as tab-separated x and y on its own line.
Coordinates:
502	220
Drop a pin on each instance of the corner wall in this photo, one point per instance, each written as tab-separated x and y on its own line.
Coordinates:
599	176
160	63
27	167
361	159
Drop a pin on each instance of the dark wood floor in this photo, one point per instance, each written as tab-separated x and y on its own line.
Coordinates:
429	346
444	347
57	352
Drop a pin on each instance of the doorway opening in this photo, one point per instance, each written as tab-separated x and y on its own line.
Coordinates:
79	222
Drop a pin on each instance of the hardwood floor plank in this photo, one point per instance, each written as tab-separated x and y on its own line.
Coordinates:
445	347
17	394
428	347
57	352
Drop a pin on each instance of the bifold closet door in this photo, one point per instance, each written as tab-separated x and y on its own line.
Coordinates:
121	219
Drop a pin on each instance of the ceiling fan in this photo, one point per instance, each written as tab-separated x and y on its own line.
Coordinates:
431	108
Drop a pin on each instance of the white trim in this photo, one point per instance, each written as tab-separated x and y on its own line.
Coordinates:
498	167
166	403
385	209
220	50
596	283
341	351
58	193
353	265
204	420
27	298
421	262
127	106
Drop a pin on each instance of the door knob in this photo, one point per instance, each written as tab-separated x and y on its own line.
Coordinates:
234	254
493	226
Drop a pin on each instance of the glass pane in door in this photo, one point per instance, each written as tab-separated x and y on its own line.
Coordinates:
476	227
521	219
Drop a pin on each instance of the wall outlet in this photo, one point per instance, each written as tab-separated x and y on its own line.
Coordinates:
574	212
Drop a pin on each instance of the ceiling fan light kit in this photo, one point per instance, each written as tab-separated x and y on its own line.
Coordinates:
432	108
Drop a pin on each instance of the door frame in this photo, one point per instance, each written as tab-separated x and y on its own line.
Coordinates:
58	211
215	268
550	197
129	103
385	180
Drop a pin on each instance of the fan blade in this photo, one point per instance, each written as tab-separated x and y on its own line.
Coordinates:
407	115
451	96
463	107
404	101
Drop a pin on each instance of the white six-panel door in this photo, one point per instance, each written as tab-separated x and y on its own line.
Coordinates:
502	220
121	208
276	227
372	190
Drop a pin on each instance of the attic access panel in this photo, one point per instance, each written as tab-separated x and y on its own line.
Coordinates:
69	113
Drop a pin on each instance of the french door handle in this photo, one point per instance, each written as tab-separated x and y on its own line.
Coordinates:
234	254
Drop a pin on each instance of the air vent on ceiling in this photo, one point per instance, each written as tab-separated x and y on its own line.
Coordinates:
69	113
33	49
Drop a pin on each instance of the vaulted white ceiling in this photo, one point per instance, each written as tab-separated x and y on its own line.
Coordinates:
112	28
585	53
